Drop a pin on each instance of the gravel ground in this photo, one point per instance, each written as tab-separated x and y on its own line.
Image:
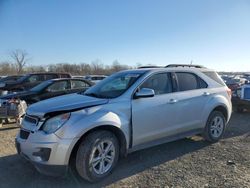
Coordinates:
188	162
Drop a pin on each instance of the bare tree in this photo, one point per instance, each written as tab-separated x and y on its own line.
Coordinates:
97	67
116	66
85	68
20	58
19	65
6	68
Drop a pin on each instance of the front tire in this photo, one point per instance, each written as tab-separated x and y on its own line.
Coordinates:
215	126
97	155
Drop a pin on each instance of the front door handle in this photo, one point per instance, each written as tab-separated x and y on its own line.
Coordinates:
206	94
172	101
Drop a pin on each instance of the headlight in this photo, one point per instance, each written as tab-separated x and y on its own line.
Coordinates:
54	123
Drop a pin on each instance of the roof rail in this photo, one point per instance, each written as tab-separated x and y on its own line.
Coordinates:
185	65
150	66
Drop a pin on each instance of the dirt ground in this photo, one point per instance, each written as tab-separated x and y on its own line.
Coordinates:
185	163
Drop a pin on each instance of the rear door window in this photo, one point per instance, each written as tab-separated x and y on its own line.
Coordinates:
79	84
202	83
59	86
36	78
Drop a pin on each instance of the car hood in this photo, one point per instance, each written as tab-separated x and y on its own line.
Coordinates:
18	95
65	103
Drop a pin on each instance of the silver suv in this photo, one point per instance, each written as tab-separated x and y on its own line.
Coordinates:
125	112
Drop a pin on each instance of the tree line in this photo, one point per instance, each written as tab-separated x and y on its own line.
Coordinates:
18	64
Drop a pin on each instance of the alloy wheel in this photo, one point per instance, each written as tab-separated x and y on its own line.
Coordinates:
217	126
102	157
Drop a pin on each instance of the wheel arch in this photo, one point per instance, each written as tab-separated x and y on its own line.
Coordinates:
115	130
221	109
219	103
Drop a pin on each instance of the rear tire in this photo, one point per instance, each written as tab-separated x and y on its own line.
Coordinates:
97	155
215	127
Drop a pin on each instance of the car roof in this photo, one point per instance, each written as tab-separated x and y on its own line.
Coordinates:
59	79
41	73
91	75
173	69
138	71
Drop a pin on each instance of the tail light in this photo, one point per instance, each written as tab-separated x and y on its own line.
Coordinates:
229	92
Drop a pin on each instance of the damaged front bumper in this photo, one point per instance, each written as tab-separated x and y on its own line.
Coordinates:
48	153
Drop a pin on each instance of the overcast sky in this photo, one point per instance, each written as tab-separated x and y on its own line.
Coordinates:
214	33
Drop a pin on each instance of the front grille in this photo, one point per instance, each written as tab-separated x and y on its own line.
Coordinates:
24	134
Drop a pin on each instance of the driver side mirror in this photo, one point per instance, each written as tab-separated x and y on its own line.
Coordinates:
144	93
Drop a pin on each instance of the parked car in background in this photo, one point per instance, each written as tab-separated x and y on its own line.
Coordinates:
248	78
241	98
30	80
49	89
234	81
80	77
233	84
95	78
10	78
128	111
6	79
240	80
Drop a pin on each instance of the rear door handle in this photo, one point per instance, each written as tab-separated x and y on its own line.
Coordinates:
172	101
206	94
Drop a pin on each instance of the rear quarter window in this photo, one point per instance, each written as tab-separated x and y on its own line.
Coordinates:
214	76
186	81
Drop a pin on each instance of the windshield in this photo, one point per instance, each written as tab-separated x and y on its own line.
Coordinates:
114	85
23	78
41	86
